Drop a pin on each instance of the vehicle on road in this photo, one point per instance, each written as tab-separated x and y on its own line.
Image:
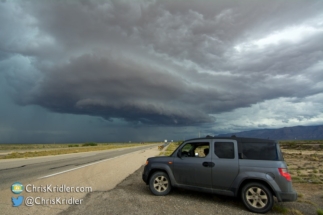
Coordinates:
249	168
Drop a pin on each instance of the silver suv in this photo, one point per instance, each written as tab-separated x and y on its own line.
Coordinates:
253	169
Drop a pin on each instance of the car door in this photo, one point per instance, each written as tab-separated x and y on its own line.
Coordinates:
226	163
193	169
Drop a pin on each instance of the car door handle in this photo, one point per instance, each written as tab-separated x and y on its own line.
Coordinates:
208	164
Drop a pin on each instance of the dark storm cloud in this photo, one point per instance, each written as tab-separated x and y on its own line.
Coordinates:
112	88
164	62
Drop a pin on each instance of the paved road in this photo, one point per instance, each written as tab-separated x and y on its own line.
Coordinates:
101	171
12	170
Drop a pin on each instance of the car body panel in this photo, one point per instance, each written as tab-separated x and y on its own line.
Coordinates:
224	171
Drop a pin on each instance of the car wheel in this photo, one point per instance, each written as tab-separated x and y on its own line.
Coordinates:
257	197
159	184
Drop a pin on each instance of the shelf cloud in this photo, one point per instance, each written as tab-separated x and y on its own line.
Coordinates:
165	63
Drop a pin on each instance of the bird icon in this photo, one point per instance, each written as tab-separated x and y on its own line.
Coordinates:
17	201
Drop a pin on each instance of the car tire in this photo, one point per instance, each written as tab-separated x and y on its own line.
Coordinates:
159	184
257	197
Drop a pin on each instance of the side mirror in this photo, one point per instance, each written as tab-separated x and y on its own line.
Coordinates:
179	153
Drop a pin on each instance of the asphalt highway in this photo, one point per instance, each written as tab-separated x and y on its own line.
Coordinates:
98	171
12	170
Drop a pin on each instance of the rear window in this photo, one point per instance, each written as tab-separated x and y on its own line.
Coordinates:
259	151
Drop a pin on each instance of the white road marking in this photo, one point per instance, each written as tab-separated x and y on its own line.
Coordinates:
87	155
58	173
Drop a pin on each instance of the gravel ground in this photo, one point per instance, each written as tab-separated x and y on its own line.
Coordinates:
132	196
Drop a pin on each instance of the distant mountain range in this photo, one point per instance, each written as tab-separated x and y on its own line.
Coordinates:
286	133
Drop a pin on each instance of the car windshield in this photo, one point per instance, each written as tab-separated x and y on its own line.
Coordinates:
179	145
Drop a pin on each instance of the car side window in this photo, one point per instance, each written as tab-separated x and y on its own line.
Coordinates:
224	150
198	149
259	151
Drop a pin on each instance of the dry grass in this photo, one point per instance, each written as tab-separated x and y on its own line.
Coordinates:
279	208
304	159
305	167
31	146
315	145
63	150
292	211
169	149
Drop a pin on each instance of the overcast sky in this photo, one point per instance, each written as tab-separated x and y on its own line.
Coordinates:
102	71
